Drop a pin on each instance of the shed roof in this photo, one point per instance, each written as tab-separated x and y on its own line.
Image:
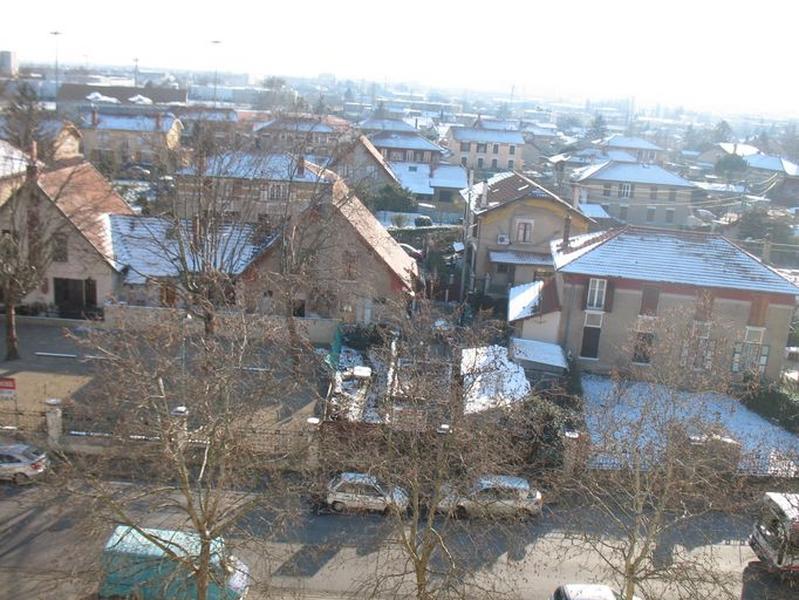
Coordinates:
659	255
534	351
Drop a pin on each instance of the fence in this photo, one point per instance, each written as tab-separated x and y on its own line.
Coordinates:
317	331
22	420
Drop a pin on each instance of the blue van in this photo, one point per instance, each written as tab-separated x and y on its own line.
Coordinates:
135	566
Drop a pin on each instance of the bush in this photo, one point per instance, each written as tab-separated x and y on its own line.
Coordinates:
773	402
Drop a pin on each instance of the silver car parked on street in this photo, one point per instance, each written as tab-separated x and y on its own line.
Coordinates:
22	463
493	496
360	491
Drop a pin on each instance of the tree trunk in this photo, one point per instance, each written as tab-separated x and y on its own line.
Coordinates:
209	320
421	581
203	574
12	343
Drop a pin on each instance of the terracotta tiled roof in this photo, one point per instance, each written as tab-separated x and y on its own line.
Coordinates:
381	160
375	235
86	198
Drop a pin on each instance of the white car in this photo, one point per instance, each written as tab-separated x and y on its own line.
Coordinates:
21	463
586	591
493	496
360	491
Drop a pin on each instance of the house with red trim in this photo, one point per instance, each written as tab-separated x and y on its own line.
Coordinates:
615	291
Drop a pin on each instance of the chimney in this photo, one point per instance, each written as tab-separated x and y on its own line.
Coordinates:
301	166
95	117
484	195
567	226
32	170
158	121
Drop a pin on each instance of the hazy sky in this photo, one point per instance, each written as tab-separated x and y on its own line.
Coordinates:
725	55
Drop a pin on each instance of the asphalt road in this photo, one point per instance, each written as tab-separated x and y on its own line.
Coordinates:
49	549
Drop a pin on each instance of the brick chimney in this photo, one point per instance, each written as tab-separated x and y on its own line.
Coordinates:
32	170
567	227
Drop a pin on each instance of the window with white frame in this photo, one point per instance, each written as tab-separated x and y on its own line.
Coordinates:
524	231
596	294
625	190
751	355
592	330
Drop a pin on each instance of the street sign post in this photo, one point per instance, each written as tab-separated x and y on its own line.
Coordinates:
8	391
8	388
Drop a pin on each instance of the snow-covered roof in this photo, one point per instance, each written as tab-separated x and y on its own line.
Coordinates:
149	249
515	257
139	99
739	149
403	141
294	125
491	379
374	124
534	351
98	97
622	141
13	161
631	173
767	162
422	178
595	211
659	255
486	136
129	122
788	503
524	300
245	165
723	188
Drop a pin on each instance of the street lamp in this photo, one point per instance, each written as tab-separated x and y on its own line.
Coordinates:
55	34
216	43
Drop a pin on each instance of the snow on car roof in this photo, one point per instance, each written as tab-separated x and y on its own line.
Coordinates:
353	477
506	481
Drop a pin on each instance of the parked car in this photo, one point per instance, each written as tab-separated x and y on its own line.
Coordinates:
586	591
135	566
22	463
493	496
360	491
412	252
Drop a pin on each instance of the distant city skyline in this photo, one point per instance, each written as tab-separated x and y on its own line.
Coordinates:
714	56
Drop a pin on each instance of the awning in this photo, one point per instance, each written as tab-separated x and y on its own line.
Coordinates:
513	257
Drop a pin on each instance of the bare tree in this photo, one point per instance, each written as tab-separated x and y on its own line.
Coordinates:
423	442
657	460
190	416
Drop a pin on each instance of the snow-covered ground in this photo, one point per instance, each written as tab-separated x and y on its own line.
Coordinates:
766	448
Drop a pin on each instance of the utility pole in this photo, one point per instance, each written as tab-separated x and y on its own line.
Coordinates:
135	72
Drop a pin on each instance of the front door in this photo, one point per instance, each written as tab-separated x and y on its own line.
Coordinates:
74	297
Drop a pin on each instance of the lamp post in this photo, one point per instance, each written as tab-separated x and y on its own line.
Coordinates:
55	35
215	44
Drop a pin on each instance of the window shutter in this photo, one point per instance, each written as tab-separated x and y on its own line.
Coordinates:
585	293
609	291
736	357
763	359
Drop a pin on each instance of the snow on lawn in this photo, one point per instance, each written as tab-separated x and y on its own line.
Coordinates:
766	448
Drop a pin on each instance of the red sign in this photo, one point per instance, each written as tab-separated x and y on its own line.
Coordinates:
8	388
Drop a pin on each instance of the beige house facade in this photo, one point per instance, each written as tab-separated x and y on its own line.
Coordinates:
486	149
637	193
637	299
513	221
